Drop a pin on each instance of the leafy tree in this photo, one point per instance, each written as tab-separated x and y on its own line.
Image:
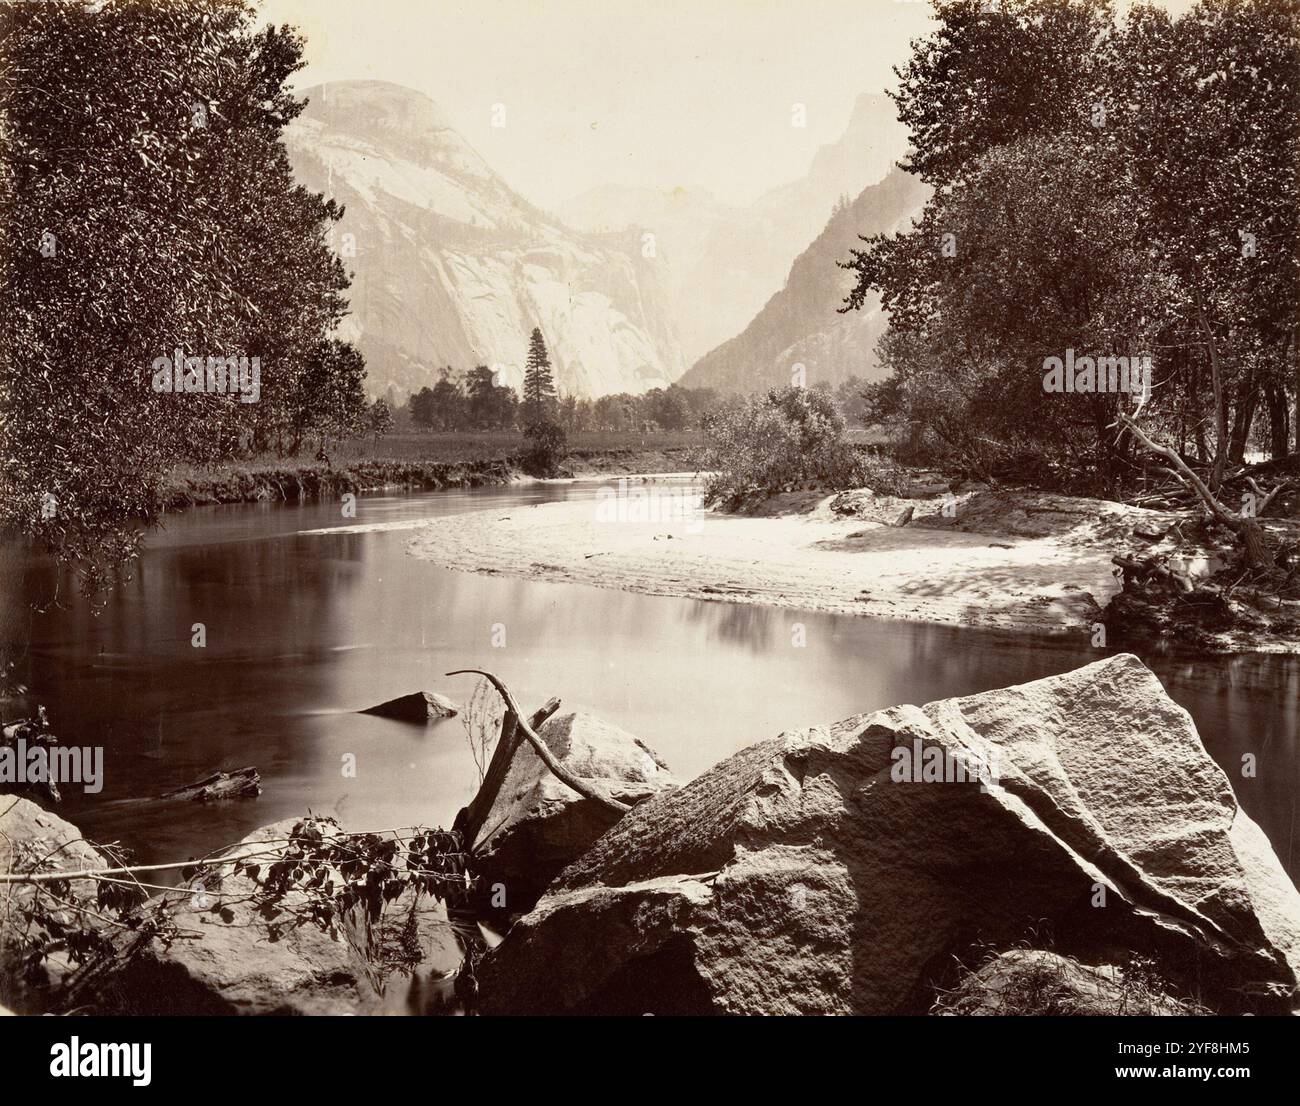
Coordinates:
1208	107
669	408
702	402
448	411
332	403
574	414
539	385
849	398
990	76
969	333
547	447
616	412
423	407
489	405
1095	186
146	205
379	419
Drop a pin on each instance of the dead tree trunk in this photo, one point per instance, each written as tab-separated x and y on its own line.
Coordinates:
581	786
1246	527
1243	418
1220	400
470	819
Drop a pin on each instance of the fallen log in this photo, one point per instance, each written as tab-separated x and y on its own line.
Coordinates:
239	784
1143	568
21	738
1244	524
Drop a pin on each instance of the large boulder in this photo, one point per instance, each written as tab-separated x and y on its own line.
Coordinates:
228	958
225	953
537	824
34	840
812	874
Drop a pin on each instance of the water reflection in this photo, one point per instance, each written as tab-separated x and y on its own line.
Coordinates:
304	629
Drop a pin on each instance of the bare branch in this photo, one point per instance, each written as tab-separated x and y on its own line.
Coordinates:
539	746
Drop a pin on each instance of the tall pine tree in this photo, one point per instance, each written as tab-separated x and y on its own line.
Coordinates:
539	385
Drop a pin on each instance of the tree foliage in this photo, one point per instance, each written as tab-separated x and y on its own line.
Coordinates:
1118	189
539	384
771	442
147	206
547	447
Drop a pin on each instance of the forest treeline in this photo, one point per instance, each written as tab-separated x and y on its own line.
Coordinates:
474	401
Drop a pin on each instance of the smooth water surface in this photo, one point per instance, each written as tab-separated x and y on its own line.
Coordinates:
304	629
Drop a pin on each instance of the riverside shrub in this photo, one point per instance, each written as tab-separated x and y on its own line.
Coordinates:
772	442
548	445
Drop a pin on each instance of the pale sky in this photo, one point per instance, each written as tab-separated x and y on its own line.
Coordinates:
649	93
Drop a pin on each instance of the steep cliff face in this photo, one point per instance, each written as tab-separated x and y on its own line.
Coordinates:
451	267
722	262
800	325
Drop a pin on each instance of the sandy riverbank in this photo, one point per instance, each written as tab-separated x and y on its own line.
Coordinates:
801	554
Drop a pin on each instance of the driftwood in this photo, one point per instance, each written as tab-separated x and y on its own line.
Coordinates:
470	819
241	783
24	735
1141	568
581	786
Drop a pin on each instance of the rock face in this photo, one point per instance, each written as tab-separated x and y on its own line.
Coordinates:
537	824
454	268
806	875
724	261
419	706
33	839
801	323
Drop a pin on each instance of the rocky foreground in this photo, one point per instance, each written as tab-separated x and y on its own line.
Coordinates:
1071	832
799	877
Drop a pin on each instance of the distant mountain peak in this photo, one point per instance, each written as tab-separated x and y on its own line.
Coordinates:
452	267
724	261
388	106
801	323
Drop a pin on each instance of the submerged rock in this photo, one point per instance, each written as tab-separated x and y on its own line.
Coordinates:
537	825
808	874
419	706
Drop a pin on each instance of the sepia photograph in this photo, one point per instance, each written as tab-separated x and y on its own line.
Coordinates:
591	508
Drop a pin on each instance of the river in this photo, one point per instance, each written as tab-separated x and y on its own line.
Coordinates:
305	628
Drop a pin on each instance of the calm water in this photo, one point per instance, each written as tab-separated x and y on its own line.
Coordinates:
304	629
